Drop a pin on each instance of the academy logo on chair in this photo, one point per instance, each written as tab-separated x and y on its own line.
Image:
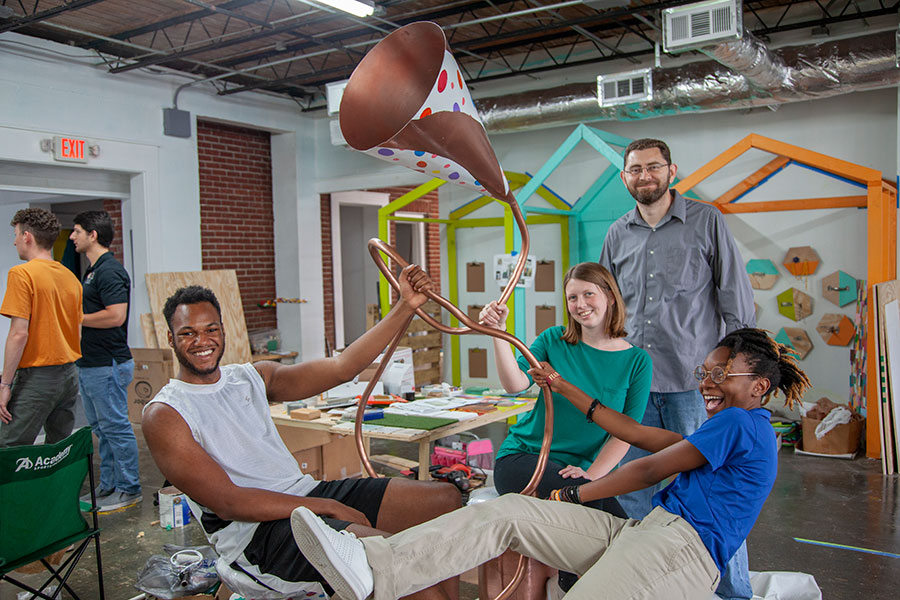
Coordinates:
42	462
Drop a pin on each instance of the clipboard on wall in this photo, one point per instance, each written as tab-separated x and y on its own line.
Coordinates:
545	276
475	277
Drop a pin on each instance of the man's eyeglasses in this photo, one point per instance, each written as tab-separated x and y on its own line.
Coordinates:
652	169
717	374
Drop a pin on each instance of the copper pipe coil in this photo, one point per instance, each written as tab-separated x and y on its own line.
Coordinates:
376	248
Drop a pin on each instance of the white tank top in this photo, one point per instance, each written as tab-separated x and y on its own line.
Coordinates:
230	420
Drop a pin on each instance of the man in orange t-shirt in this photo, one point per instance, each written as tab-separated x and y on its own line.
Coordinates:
39	382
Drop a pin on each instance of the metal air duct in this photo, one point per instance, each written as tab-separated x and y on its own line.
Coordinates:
790	74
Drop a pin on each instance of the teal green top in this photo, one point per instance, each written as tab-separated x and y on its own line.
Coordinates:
619	379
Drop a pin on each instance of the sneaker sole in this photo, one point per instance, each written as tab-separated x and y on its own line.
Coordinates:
304	525
121	505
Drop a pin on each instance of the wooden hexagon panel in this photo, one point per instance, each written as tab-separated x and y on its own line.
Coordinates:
794	304
839	288
836	329
763	273
796	338
802	260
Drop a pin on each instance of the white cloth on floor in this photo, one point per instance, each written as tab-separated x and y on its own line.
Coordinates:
783	585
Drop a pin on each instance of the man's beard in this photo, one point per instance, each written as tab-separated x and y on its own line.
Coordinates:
648	196
184	362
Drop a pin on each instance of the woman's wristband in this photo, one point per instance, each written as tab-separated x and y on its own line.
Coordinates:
9	385
569	493
590	411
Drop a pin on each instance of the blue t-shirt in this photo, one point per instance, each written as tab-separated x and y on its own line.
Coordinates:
620	379
723	498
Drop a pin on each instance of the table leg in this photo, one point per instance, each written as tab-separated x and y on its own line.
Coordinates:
424	460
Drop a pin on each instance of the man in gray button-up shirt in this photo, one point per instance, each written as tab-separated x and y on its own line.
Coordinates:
685	286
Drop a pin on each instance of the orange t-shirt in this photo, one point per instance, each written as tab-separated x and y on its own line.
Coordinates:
49	296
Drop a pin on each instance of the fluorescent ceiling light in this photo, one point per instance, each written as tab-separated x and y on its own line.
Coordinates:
359	8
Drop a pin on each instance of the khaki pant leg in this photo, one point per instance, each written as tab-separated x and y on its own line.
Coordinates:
659	557
563	536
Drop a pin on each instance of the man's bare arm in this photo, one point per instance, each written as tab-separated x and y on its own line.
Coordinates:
187	465
106	318
304	380
15	346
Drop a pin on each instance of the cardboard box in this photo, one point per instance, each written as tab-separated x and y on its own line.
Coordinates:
843	439
326	455
153	367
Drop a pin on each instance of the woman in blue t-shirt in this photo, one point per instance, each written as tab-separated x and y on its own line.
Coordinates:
592	354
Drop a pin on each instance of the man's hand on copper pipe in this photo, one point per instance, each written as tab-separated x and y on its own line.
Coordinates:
414	282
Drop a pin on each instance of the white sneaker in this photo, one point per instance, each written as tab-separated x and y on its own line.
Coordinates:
338	555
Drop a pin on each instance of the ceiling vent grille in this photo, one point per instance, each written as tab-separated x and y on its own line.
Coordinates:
624	88
701	24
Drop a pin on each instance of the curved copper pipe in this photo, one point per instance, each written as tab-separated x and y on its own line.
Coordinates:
376	248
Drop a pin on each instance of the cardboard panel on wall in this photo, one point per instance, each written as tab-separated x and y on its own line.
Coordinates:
545	276
224	285
153	367
475	277
477	362
544	317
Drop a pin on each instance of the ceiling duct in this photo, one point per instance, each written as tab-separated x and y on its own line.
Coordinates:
790	74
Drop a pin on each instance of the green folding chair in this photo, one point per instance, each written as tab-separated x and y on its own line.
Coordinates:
40	511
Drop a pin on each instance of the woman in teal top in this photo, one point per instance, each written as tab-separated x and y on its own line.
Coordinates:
592	351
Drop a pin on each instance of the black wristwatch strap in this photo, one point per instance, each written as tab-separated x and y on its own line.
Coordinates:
590	411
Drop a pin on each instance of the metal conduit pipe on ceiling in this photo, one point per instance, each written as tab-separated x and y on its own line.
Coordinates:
808	73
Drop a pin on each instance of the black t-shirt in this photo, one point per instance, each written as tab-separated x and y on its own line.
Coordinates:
106	282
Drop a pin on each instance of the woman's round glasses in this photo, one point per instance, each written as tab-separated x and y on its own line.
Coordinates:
717	374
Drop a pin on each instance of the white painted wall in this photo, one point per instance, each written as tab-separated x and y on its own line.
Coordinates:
45	90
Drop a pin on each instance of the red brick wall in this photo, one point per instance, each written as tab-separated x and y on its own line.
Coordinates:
114	208
236	218
427	204
327	269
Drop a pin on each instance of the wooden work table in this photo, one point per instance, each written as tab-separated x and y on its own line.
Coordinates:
331	425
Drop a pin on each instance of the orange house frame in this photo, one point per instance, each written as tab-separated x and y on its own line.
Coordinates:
880	200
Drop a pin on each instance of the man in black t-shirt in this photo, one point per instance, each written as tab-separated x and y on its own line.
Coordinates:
106	367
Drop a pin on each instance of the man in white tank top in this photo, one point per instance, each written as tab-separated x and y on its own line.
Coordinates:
210	432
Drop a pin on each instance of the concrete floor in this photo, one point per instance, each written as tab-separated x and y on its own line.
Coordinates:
837	501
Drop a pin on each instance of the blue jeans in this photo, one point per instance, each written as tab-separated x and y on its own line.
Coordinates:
683	412
104	391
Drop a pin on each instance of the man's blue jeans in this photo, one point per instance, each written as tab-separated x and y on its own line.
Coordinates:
683	412
104	391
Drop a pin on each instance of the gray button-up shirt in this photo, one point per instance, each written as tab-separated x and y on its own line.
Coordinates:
684	285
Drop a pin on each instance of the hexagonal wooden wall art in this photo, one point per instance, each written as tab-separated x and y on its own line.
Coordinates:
794	304
763	273
839	288
797	339
802	260
836	329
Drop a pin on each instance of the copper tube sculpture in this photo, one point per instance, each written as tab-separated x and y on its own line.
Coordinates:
407	103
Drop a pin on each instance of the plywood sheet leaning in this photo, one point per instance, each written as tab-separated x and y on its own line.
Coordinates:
885	293
148	330
891	319
224	285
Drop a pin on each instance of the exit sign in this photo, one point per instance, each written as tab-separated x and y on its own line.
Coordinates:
70	149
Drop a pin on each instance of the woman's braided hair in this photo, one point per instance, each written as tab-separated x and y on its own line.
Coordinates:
767	358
